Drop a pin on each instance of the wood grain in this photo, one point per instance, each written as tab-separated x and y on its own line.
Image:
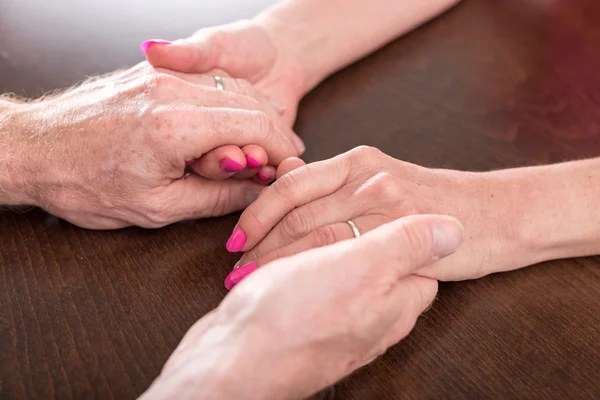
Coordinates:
491	84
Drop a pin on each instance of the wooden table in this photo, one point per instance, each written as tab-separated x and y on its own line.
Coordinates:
492	84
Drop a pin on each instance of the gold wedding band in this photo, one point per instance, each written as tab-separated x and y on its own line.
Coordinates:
354	228
219	83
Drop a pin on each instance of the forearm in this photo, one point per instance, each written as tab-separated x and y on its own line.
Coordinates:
556	209
328	35
14	188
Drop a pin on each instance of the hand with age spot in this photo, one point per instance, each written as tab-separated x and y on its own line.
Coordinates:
112	152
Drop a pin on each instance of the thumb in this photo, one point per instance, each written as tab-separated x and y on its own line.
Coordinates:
407	244
196	197
196	54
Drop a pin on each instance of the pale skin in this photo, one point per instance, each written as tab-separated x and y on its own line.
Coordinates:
303	323
511	218
245	348
112	152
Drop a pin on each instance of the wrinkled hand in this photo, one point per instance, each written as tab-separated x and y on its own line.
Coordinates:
112	152
243	49
308	207
302	323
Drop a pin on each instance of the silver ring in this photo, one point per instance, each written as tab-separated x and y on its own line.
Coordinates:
219	83
354	228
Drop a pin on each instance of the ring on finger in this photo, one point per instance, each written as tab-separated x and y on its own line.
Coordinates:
219	83
354	228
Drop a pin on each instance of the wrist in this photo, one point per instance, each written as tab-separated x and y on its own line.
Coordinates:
17	171
295	44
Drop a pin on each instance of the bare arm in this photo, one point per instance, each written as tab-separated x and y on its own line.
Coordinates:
557	207
328	35
13	154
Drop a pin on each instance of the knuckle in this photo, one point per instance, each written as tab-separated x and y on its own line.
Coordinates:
326	235
286	187
363	152
222	202
264	124
215	38
295	225
159	84
382	186
158	215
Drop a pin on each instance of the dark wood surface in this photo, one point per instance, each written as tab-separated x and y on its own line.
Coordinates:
492	84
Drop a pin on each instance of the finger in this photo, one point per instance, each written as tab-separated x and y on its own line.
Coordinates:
196	197
323	236
201	90
196	54
315	217
244	87
200	129
288	165
220	163
247	91
256	157
299	187
265	175
387	253
410	243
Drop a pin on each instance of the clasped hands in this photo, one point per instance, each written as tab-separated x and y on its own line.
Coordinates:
115	152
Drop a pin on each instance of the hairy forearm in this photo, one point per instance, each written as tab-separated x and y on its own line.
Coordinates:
13	154
557	209
328	35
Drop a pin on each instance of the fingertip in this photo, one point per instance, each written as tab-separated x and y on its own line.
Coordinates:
256	156
220	163
266	175
288	165
145	46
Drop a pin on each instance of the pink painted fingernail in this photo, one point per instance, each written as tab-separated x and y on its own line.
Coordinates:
238	274
262	176
229	166
252	163
146	45
236	241
189	162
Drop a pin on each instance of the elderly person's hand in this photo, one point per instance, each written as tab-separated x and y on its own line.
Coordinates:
308	207
244	49
112	152
302	323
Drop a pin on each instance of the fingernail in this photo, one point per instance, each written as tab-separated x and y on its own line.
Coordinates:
299	144
146	45
189	162
277	105
236	241
237	275
448	233
251	196
262	176
229	166
252	163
